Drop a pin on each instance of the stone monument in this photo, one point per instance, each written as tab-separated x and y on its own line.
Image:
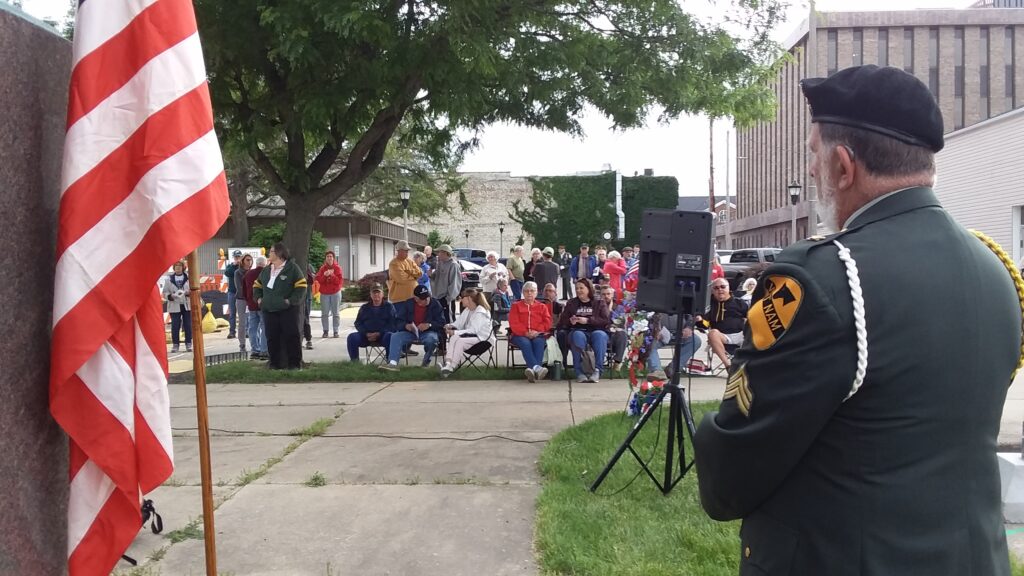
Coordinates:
35	65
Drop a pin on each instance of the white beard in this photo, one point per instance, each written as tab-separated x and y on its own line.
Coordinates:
827	205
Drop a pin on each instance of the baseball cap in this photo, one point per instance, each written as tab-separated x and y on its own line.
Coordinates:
376	288
549	251
421	292
236	253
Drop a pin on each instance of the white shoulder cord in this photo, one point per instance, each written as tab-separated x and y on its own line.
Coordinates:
859	321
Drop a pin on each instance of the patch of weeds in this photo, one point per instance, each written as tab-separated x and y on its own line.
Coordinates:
138	571
412	481
175	482
315	429
158	554
316	480
190	531
462	481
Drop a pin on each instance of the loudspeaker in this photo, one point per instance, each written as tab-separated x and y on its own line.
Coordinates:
675	261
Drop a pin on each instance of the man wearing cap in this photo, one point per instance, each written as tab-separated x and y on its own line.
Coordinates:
546	271
564	261
582	266
447	281
374	323
403	274
856	437
417	319
229	271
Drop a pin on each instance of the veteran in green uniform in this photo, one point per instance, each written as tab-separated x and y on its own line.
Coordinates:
857	435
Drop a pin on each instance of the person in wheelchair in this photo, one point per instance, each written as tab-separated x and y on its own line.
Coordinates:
724	321
374	324
585	319
472	327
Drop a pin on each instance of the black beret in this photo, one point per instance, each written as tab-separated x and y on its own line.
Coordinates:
886	100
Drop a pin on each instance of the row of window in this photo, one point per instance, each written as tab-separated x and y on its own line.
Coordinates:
959	72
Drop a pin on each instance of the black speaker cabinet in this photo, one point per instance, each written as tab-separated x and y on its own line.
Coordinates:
675	261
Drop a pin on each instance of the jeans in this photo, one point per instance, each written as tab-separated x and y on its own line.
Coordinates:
231	312
533	350
401	339
688	347
329	307
517	290
243	325
578	340
181	320
357	340
257	332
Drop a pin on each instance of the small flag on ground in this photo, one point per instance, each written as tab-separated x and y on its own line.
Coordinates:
142	185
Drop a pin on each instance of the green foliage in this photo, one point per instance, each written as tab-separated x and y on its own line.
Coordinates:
635	532
267	236
257	373
435	239
316	480
584	207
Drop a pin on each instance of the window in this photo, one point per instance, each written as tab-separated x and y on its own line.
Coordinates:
1008	61
883	47
373	250
933	61
723	215
833	52
858	47
984	107
958	78
908	50
744	256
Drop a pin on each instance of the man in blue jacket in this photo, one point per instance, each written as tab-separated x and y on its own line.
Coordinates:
419	318
582	266
374	323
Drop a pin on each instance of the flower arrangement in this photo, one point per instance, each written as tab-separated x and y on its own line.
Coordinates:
639	337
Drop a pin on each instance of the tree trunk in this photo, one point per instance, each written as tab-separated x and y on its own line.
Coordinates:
300	216
238	192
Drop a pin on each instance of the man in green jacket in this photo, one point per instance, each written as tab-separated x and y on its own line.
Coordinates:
280	290
858	429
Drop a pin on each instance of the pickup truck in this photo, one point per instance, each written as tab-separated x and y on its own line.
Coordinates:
747	263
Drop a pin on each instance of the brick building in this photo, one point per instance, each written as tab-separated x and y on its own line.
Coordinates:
972	60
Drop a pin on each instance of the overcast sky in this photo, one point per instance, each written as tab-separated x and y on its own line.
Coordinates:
678	149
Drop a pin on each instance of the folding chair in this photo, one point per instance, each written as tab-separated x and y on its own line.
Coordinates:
480	356
375	353
438	353
510	357
715	366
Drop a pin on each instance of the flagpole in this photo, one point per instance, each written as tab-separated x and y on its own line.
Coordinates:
202	414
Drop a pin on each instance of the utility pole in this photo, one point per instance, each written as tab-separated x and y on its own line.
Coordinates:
728	195
711	164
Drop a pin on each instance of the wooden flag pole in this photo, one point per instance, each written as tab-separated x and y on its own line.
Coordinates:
202	414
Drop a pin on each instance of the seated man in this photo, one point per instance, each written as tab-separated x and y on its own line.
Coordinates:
726	317
617	328
419	318
691	342
374	323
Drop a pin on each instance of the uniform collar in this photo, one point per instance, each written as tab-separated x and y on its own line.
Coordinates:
891	204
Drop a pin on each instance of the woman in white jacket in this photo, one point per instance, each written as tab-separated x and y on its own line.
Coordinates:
472	327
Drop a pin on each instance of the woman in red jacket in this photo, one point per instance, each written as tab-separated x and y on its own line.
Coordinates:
615	268
331	281
529	323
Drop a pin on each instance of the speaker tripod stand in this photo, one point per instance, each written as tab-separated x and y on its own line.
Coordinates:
679	415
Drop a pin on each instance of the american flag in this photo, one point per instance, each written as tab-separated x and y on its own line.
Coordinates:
142	184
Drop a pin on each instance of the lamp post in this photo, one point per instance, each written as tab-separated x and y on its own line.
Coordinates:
794	189
501	237
404	194
466	232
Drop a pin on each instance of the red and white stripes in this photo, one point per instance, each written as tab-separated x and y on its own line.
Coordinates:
142	185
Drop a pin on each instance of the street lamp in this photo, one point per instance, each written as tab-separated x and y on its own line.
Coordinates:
466	232
794	189
501	237
404	194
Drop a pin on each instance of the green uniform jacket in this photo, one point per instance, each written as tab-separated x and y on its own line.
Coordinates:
289	288
901	478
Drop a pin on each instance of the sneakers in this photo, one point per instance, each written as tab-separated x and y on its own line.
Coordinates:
582	379
254	356
390	367
594	378
175	350
446	370
530	375
325	335
657	375
427	362
309	344
411	353
188	347
335	334
541	372
231	336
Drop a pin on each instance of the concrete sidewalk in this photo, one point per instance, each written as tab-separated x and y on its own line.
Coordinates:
401	493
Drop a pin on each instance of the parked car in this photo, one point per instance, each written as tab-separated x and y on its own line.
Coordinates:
478	257
748	263
724	256
470	274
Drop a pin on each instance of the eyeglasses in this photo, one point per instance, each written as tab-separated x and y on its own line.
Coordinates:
720	287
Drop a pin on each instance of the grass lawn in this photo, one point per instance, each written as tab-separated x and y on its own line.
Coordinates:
637	531
257	373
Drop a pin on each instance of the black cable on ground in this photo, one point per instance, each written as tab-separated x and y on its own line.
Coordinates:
389	436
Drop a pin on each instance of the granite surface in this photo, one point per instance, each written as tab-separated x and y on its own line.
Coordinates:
35	66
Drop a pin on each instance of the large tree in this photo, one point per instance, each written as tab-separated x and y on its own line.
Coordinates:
315	90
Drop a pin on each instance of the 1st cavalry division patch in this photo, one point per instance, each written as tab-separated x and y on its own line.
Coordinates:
739	388
773	314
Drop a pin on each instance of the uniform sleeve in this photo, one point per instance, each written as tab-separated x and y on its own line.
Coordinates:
792	373
257	285
299	288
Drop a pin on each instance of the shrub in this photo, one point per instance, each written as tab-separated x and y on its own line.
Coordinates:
355	294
